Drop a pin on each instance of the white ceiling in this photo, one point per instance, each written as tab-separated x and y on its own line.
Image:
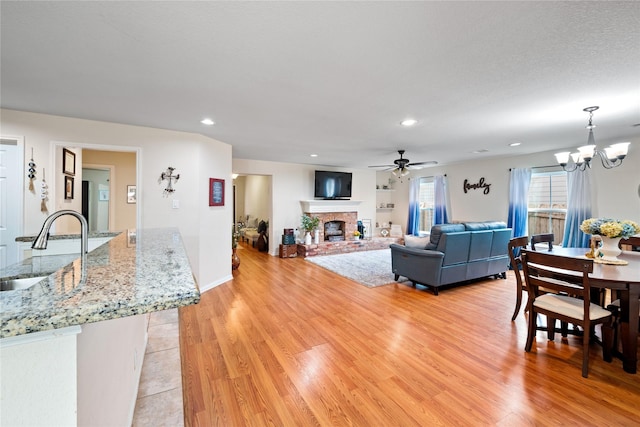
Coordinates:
283	80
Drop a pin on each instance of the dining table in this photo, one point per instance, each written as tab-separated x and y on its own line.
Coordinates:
625	280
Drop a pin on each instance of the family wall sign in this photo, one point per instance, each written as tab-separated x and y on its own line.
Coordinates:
481	184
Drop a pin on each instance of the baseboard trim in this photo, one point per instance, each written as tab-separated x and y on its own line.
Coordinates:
212	285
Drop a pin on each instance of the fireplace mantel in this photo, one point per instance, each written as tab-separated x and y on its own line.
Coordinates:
325	206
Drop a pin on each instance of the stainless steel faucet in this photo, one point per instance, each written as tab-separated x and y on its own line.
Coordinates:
41	241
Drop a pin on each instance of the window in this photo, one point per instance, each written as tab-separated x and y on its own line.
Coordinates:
427	202
547	205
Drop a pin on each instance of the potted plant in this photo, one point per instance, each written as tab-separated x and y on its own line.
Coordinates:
309	223
356	235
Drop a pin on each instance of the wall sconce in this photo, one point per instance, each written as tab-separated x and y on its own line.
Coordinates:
170	178
611	157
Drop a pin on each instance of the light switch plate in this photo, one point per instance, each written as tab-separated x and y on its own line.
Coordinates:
176	204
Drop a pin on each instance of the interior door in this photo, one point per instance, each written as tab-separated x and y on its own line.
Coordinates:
10	199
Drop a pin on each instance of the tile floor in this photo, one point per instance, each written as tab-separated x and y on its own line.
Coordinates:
159	400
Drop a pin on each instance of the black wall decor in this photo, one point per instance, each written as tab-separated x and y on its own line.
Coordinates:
480	184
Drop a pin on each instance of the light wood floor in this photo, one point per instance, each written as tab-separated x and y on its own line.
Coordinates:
287	343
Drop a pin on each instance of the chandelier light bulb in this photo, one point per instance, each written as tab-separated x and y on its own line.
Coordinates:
611	153
621	149
586	151
577	158
563	158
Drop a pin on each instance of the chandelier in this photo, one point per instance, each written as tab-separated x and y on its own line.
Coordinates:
610	158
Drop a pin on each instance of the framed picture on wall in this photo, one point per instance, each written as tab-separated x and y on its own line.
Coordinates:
68	187
216	192
68	162
368	232
132	195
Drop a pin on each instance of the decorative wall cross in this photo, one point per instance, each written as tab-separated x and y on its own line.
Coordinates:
170	178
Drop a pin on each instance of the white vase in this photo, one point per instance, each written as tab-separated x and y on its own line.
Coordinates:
610	249
316	237
307	238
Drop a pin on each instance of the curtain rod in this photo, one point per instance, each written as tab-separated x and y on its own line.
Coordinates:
540	167
431	176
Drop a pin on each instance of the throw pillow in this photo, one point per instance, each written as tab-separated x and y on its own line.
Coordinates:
416	242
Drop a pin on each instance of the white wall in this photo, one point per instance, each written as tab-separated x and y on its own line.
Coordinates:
615	191
292	183
204	229
257	196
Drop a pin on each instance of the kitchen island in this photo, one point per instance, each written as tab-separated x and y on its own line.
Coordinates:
76	338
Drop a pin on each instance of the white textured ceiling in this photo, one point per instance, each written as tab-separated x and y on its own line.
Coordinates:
285	79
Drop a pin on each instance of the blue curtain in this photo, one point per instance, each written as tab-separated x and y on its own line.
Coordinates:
518	195
578	209
413	227
440	200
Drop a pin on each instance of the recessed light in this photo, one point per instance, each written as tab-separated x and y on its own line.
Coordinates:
207	122
514	144
408	122
482	150
313	155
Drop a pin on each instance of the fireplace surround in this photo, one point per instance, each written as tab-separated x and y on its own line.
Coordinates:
344	212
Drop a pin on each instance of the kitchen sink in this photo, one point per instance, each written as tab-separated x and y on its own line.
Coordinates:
7	284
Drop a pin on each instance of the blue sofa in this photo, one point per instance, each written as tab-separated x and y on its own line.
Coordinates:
453	253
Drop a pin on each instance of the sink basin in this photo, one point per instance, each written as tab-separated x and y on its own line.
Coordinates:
19	284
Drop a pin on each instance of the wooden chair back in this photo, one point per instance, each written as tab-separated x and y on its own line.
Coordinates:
516	245
542	238
568	278
633	241
546	270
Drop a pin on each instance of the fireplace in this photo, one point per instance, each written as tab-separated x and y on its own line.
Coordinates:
336	226
338	221
334	231
338	218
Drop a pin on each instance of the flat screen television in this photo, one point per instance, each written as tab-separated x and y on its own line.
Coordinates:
332	185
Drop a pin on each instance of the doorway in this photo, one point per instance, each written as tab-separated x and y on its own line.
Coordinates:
11	184
96	198
124	165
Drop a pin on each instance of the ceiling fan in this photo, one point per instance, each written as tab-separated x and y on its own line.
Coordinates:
401	166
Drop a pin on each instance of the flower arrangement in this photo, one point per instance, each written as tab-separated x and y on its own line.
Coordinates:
309	223
356	233
610	227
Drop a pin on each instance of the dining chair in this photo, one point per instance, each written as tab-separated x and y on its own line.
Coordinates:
633	241
516	245
542	238
572	306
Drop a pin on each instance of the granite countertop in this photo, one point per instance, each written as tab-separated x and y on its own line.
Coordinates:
91	235
121	278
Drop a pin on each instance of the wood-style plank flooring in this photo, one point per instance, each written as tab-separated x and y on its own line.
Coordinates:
287	343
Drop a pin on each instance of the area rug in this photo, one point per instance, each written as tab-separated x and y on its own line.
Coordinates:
369	268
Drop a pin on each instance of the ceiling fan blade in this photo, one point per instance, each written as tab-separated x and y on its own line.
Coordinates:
431	162
383	166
